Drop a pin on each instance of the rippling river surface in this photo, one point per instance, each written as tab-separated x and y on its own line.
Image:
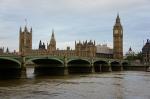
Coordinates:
112	85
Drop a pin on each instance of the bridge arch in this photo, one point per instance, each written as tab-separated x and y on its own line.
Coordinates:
125	65
47	65
101	66
79	66
115	66
46	61
9	63
78	61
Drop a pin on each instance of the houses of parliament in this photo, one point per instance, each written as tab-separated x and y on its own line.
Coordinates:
82	49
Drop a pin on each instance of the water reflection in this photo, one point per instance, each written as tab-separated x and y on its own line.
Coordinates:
30	72
112	85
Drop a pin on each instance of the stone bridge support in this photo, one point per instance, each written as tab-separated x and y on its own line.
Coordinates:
23	67
68	64
65	66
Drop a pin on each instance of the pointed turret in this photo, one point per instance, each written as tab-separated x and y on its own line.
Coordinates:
75	43
40	44
31	30
130	49
7	50
25	29
20	29
43	45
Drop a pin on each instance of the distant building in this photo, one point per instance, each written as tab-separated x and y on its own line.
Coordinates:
130	52
1	50
41	45
83	49
103	51
146	52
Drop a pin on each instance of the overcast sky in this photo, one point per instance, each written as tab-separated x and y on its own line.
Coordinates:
75	20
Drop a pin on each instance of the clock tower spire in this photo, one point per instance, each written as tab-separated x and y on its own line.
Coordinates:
118	39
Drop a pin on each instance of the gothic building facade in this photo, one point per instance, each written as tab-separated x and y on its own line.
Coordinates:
84	49
146	52
25	41
103	51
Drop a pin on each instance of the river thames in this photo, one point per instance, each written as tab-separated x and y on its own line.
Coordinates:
111	85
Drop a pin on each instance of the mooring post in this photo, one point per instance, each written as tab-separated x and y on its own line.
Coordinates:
23	67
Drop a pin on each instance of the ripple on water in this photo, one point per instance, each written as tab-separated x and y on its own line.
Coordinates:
45	93
115	85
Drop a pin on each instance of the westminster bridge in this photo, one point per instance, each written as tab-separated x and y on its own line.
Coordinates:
59	64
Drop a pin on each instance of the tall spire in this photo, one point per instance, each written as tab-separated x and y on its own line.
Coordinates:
130	49
52	36
118	18
52	41
52	33
52	45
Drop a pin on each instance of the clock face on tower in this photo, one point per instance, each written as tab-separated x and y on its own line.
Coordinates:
116	32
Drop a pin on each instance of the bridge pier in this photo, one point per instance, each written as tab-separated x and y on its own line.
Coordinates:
109	64
23	68
65	66
110	69
121	68
147	68
65	71
93	70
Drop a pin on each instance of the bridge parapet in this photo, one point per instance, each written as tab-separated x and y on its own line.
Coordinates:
63	59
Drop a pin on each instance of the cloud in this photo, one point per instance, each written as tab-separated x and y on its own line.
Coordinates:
74	20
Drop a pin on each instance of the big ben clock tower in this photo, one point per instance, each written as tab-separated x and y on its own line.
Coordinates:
118	39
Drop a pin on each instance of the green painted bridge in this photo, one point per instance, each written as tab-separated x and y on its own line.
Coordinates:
62	64
57	61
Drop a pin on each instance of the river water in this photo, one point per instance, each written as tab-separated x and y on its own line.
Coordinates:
112	85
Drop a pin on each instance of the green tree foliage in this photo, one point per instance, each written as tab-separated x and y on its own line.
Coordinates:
134	57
